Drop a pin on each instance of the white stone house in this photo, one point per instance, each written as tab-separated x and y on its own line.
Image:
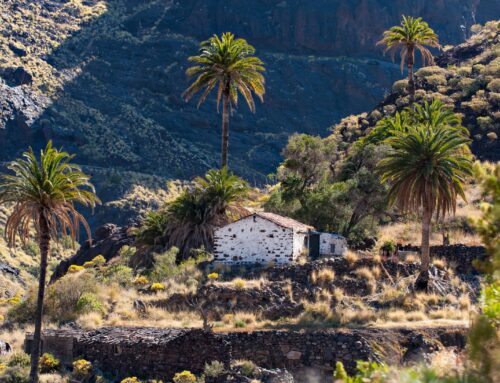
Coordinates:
266	237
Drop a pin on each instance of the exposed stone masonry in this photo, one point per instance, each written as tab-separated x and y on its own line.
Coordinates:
160	353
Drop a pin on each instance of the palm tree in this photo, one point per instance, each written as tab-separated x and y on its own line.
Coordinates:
188	221
426	169
43	193
229	65
413	34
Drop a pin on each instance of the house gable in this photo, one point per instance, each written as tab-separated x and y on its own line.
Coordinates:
254	239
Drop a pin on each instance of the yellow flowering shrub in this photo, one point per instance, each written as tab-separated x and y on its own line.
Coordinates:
88	265
82	368
132	379
157	286
75	269
48	363
14	300
3	367
184	377
213	276
141	280
99	260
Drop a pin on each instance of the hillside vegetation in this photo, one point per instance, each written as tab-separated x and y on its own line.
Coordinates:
465	78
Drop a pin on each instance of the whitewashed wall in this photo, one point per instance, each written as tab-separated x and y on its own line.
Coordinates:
326	240
299	244
259	241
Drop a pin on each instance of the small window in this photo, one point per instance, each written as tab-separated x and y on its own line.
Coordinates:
332	248
306	241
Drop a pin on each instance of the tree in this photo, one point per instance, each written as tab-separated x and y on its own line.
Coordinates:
43	194
229	65
306	163
413	34
426	169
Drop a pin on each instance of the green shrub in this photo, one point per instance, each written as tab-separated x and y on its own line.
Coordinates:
248	368
484	122
436	79
19	359
48	363
239	324
89	302
400	86
16	374
494	85
184	377
214	369
430	71
121	274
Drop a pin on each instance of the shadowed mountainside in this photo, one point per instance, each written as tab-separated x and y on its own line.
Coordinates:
104	78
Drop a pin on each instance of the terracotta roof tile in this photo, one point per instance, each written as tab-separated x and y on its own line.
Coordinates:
284	221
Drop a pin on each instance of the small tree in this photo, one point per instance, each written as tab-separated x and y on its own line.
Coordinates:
44	192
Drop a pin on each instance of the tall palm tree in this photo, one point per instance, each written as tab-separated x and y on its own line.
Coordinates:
413	34
426	169
43	193
228	64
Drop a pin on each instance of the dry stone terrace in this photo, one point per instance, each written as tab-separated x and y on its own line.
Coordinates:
160	353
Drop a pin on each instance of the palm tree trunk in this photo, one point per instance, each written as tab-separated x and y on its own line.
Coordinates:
44	243
411	77
423	278
225	129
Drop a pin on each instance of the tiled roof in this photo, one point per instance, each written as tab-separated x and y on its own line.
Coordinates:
284	221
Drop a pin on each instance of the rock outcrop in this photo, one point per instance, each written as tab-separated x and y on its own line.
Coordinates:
114	72
107	241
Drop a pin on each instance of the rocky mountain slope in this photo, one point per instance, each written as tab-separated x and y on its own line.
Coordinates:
466	78
103	78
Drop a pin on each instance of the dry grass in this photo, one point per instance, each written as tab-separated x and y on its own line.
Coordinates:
410	231
323	277
351	257
364	273
439	263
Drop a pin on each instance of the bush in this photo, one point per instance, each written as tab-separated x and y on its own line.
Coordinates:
64	297
121	274
141	280
16	374
88	265
82	368
3	367
214	369
19	359
157	286
213	276
494	85
132	379
89	302
248	368
239	283
99	260
73	269
184	377
48	363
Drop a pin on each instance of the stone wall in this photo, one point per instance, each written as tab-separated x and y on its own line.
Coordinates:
254	240
160	353
461	257
142	352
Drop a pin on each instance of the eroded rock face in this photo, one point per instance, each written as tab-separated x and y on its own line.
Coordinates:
107	241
